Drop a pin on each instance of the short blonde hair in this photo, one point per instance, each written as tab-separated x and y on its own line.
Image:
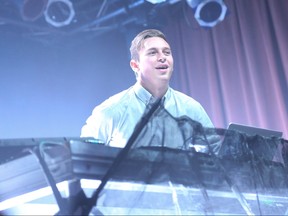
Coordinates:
137	42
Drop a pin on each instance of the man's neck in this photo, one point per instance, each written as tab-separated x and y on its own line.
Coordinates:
157	92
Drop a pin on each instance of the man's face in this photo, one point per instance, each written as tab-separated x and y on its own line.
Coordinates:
155	64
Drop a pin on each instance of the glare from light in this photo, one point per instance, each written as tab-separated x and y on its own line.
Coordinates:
155	1
89	183
34	209
28	197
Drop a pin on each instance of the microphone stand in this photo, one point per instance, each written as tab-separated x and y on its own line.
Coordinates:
67	206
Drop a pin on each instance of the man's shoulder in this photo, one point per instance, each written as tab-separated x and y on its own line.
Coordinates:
184	98
115	102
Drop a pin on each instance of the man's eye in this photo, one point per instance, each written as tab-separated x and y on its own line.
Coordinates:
167	52
152	53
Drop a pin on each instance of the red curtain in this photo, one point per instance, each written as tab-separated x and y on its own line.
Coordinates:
238	70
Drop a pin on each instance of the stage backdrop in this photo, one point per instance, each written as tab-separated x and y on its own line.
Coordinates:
238	70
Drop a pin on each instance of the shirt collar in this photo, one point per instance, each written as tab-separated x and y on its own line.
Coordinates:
145	96
142	93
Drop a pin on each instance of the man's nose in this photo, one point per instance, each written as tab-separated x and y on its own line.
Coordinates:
162	58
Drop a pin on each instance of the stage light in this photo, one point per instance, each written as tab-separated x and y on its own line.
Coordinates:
30	10
208	13
59	13
33	9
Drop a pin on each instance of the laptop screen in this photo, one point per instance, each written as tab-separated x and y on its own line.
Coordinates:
250	130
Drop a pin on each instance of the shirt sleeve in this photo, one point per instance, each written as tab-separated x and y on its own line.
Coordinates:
203	118
97	126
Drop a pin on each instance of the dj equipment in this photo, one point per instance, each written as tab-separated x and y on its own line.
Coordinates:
85	158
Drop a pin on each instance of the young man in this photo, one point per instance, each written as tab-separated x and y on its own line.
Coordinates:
114	120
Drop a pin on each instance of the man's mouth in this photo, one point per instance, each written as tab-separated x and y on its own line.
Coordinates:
161	67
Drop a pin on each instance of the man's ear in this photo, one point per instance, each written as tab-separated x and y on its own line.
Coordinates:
134	65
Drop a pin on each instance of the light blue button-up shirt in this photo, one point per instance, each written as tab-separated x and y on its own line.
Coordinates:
114	120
